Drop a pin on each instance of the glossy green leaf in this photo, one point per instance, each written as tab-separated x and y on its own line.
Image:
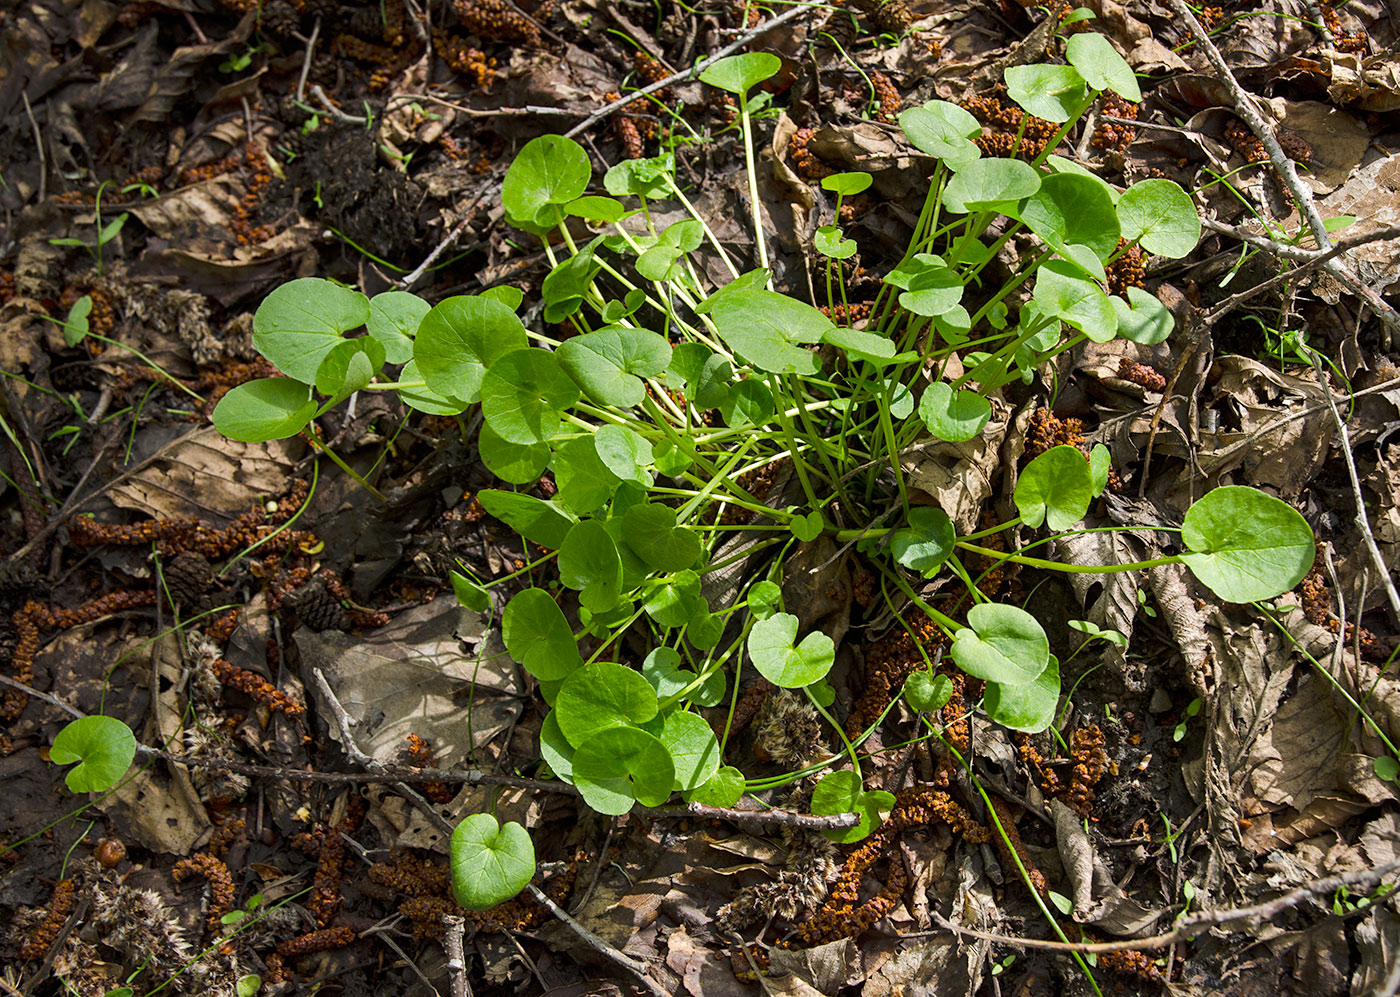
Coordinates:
1245	545
538	636
548	171
621	765
589	563
807	527
426	399
490	862
747	403
1100	462
1161	216
623	452
566	285
990	184
524	395
459	339
694	750
926	542
651	531
935	290
942	130
609	364
533	518
585	483
674	601
1073	209
951	415
867	346
556	750
301	321
602	695
847	184
1028	707
102	746
1102	67
470	593
349	367
770	329
788	666
1055	488
724	789
1055	93
269	408
640	177
737	74
516	463
926	692
596	208
1002	644
840	793
1061	292
394	317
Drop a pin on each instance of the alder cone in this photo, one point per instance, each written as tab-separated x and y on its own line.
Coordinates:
318	609
189	577
280	18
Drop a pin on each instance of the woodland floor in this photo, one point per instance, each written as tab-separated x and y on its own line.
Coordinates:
1218	766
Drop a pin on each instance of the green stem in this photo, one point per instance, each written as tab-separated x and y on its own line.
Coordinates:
335	459
753	183
1087	569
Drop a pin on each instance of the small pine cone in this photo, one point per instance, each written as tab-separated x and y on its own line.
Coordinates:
17	576
318	609
188	577
279	18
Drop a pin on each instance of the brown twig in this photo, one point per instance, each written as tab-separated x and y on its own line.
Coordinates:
1297	252
456	927
781	818
306	62
448	239
597	944
1189	927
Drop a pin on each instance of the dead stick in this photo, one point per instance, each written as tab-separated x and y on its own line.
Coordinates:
597	944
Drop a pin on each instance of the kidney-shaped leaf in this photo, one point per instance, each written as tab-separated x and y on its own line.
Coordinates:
533	518
777	660
955	416
394	317
926	542
602	695
301	321
769	329
1062	292
607	363
459	338
548	171
589	563
739	73
1245	545
1161	216
1142	318
490	862
1005	644
621	765
1028	707
942	130
651	531
990	184
694	749
1102	67
1054	93
103	747
1055	488
524	394
1070	208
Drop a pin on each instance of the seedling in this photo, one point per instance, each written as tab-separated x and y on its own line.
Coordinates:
650	496
105	233
1192	708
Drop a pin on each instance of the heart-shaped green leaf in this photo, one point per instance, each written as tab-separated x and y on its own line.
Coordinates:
548	171
1055	488
538	636
459	339
1142	318
524	395
490	862
651	531
769	329
302	320
269	408
951	415
602	695
1102	67
926	542
942	130
1245	545
394	317
786	666
102	746
1161	216
723	790
1054	93
589	563
739	73
694	750
1028	707
1005	644
621	765
926	692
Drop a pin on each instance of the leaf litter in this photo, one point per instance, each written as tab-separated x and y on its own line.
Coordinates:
271	161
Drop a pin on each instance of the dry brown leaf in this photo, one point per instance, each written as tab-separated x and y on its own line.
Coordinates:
958	477
824	969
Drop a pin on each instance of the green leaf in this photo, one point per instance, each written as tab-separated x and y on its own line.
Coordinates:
459	339
1142	318
470	593
1386	768
942	130
674	601
620	765
770	329
533	518
651	531
926	692
1055	93
556	750
662	668
807	527
1161	216
624	453
1100	462
609	364
694	750
935	290
585	483
848	184
110	230
926	542
490	862
705	629
1069	208
589	563
538	636
548	171
990	185
644	178
1102	67
765	599
524	394
953	416
517	463
1062	293
786	666
103	747
394	317
301	321
737	74
723	790
1055	488
842	793
349	367
747	403
247	985
269	408
1004	644
867	346
829	241
1028	707
425	399
603	695
507	295
77	325
596	209
1246	546
566	285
